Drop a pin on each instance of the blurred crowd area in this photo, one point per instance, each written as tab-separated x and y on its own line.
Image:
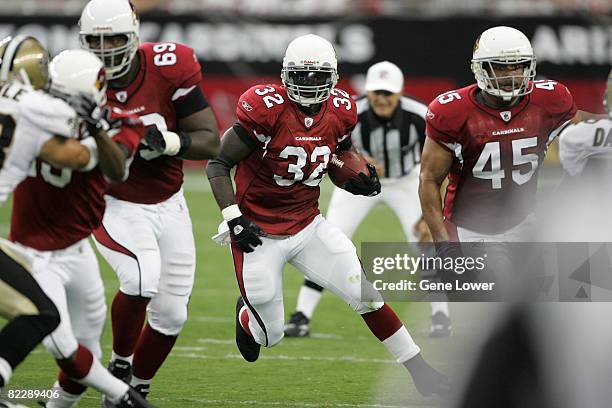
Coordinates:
327	7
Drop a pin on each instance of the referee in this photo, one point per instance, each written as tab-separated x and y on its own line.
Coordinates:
390	134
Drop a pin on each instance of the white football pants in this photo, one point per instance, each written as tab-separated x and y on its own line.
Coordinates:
151	249
322	253
71	278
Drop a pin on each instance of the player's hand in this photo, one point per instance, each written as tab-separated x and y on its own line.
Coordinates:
166	142
421	230
380	168
245	233
96	118
446	250
366	186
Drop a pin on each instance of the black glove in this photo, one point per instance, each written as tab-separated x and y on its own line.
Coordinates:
95	118
245	233
368	186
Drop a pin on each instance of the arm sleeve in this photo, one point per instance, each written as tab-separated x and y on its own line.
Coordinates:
573	151
130	133
438	127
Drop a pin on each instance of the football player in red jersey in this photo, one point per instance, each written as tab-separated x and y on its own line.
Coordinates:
147	235
56	209
281	145
490	139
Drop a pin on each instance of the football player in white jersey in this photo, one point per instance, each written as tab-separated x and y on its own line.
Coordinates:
585	152
31	314
587	141
37	124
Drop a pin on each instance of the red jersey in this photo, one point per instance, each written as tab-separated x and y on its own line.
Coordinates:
168	73
497	152
55	208
277	185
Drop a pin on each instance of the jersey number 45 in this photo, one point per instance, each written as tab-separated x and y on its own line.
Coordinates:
492	153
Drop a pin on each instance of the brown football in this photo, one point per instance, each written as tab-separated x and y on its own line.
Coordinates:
346	165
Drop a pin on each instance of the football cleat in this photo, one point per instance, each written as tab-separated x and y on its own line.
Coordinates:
122	370
297	326
440	326
428	380
143	389
133	399
247	345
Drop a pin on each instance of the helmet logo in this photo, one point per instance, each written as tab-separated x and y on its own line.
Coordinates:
246	106
121	96
308	122
310	62
506	115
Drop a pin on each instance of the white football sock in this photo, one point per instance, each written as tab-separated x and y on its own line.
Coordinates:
439	307
308	299
401	345
139	381
115	356
64	399
6	371
102	380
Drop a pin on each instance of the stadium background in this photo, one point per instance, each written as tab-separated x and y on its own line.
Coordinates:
241	43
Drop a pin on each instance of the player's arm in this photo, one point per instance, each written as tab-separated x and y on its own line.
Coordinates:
202	129
61	152
582	116
235	146
112	157
436	162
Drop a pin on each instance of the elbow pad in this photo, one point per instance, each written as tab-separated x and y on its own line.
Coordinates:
219	166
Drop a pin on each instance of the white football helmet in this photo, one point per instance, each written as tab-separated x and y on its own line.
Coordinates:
310	69
74	72
503	45
107	18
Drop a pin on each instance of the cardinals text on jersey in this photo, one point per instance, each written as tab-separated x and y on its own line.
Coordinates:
277	186
497	153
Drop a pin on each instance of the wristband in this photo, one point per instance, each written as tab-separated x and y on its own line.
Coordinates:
173	143
231	212
92	146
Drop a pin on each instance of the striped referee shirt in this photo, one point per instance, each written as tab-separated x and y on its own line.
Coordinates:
396	142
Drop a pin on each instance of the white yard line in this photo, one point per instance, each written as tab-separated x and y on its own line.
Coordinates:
217	402
282	357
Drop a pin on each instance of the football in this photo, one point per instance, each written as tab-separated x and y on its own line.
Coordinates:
346	165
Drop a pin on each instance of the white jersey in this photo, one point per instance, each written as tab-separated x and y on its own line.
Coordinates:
33	117
583	142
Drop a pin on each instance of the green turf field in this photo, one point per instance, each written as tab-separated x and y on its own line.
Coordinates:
341	365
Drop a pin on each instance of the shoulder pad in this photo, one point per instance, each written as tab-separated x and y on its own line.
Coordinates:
344	107
552	96
177	63
448	111
48	113
260	105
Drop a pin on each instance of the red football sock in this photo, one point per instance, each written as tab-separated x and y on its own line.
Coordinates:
79	366
382	322
244	321
151	352
69	385
127	316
